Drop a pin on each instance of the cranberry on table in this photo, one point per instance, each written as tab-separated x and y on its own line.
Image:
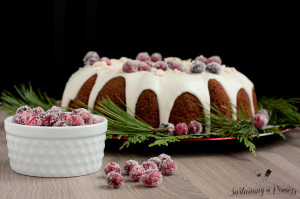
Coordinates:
195	127
157	161
151	177
129	165
112	166
181	129
168	167
164	157
115	179
149	165
136	172
214	68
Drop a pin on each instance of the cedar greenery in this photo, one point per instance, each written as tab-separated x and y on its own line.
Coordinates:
283	113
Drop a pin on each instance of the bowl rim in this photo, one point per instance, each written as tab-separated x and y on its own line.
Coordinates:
55	132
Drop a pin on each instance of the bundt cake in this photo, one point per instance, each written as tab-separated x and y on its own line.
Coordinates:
159	91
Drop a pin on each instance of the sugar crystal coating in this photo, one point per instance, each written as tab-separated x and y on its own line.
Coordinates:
136	172
157	161
75	120
36	111
164	157
156	57
198	67
214	68
106	59
96	120
168	167
143	66
149	165
115	179
24	108
129	165
181	129
161	65
170	127
21	118
195	127
85	114
143	56
260	120
90	58
175	65
130	66
201	58
112	166
151	177
264	112
35	121
214	58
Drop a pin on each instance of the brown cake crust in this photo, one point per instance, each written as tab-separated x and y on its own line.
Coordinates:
243	103
147	108
219	97
115	90
254	100
84	92
186	108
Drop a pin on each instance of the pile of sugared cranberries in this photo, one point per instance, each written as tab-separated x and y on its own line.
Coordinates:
193	128
53	117
211	64
91	57
149	173
261	119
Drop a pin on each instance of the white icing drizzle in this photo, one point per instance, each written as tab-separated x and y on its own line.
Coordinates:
167	85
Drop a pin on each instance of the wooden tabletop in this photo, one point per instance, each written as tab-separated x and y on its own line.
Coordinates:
206	169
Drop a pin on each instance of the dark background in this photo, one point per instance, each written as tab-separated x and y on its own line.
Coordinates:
45	42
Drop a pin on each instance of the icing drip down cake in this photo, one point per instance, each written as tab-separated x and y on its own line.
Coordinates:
157	90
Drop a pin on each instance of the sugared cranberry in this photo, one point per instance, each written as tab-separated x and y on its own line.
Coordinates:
164	157
75	120
168	167
129	165
157	161
161	65
60	123
143	66
181	129
21	118
214	68
36	111
136	172
143	56
260	120
35	121
58	102
54	110
50	119
155	57
85	114
214	59
24	108
112	166
90	58
170	127
130	66
106	59
175	65
63	116
149	63
195	127
151	177
201	58
96	120
149	165
198	67
264	112
115	179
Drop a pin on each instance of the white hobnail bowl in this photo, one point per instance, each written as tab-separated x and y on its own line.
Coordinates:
55	151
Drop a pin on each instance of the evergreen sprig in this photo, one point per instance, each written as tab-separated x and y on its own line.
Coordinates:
27	96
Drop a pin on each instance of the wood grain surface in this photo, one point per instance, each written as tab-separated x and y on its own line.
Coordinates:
207	169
